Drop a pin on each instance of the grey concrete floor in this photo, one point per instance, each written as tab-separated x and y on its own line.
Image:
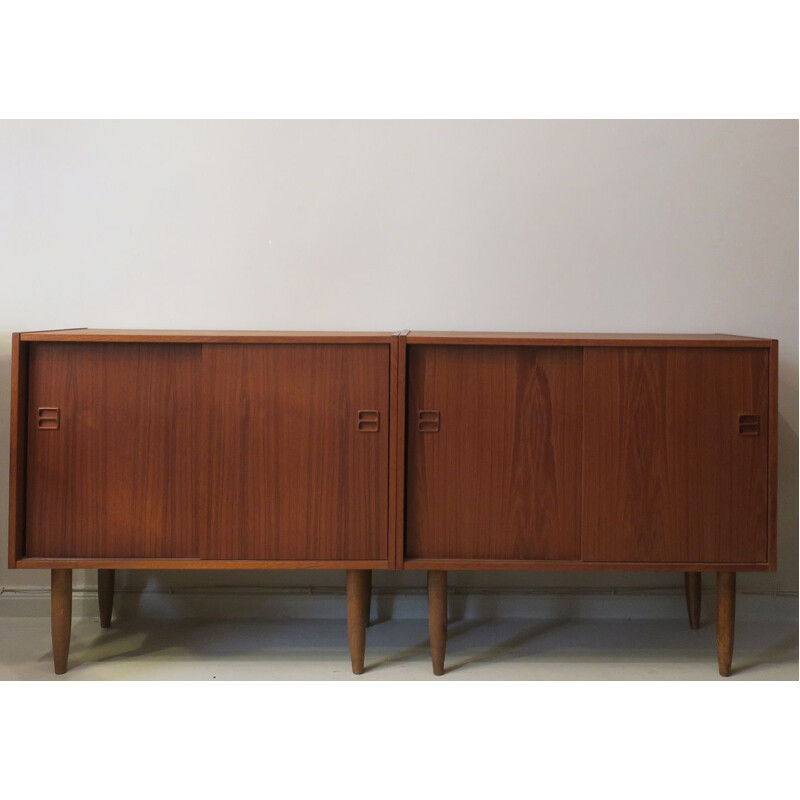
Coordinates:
492	649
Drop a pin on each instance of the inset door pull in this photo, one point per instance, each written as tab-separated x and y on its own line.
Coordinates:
48	419
749	424
369	421
428	422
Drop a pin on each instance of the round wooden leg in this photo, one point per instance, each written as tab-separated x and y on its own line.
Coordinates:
60	616
726	613
358	581
437	618
105	595
694	588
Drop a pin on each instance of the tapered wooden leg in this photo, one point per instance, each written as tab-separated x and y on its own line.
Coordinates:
694	588
60	616
105	595
358	581
437	618
367	597
726	613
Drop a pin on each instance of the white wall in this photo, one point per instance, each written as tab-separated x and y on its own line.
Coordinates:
539	226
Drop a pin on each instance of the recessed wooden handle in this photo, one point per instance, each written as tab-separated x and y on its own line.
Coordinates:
48	419
428	422
368	421
749	424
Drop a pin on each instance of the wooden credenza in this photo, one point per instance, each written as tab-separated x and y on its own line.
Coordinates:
358	451
191	450
589	452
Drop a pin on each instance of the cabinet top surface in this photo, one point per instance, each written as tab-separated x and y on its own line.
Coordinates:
174	336
414	337
587	339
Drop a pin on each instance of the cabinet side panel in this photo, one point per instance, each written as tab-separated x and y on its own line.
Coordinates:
19	416
400	444
773	455
289	472
111	450
494	445
671	473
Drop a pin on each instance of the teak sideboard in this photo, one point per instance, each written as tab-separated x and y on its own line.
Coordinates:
167	450
413	450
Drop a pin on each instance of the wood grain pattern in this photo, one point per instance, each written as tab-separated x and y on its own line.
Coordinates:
118	478
694	594
60	617
105	596
18	450
667	476
726	618
501	478
393	556
437	618
287	474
